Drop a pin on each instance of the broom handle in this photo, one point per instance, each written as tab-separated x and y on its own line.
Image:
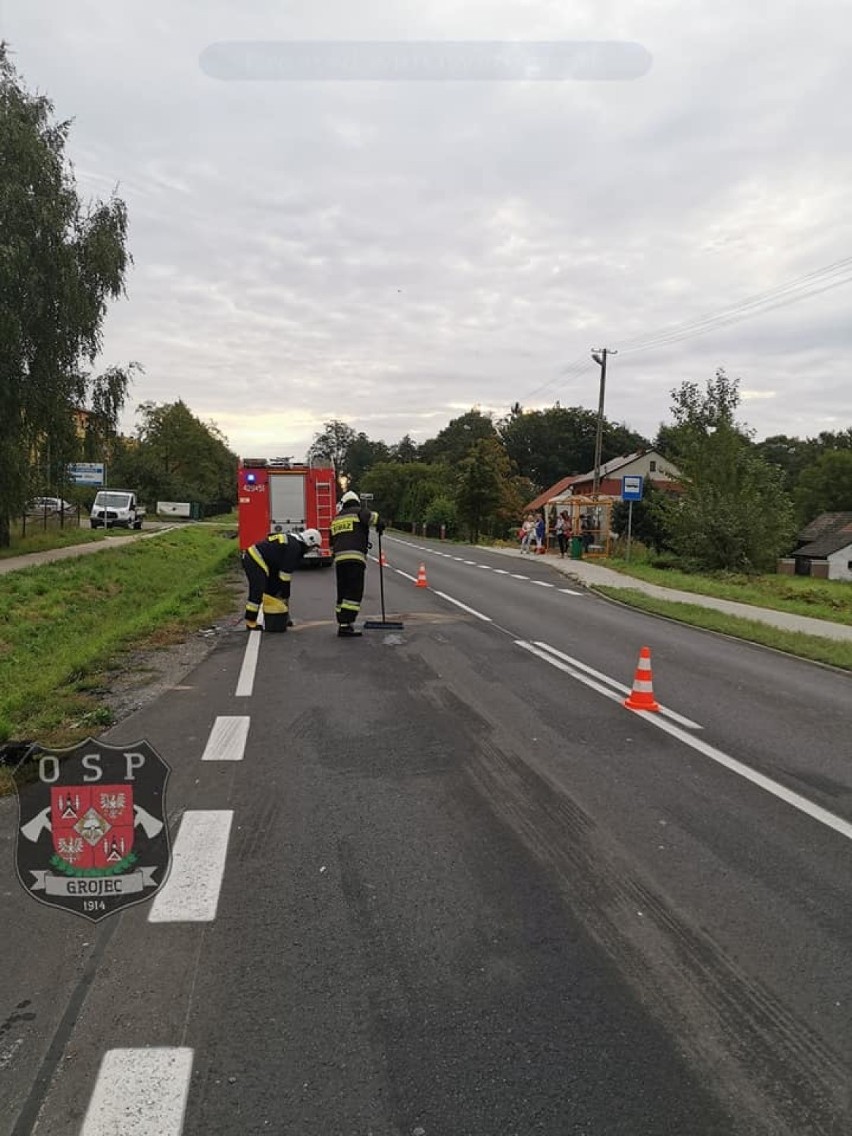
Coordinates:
381	577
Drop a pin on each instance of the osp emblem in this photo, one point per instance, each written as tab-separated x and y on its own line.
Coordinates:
92	836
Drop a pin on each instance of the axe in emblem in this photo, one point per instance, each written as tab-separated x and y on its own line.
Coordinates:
35	827
150	825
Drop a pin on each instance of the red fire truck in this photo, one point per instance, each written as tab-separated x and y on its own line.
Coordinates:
277	495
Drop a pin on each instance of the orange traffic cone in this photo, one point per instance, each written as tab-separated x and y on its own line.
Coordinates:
421	577
641	696
383	561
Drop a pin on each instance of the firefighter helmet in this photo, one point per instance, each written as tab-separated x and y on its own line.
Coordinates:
350	497
311	538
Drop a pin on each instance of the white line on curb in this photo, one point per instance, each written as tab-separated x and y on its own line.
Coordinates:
191	894
227	741
140	1092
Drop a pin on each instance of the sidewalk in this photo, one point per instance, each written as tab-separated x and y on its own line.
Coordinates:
592	575
30	559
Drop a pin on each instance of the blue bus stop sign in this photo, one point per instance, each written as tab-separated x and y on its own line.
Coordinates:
631	487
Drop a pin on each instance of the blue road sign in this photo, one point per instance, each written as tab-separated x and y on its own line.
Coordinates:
631	487
87	473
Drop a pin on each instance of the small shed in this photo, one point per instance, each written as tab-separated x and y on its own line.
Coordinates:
825	549
591	519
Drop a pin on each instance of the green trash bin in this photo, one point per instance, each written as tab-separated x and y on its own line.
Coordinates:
576	548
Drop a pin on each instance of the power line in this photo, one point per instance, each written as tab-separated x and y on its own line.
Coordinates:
580	364
814	283
811	284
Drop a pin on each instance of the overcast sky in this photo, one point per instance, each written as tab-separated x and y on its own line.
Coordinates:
391	253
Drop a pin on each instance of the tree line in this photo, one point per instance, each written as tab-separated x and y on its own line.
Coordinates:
738	507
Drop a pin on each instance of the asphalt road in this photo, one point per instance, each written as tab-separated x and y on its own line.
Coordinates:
445	884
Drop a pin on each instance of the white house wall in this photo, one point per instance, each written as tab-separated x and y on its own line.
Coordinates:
838	564
665	471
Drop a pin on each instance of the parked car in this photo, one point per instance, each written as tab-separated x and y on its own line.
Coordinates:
41	505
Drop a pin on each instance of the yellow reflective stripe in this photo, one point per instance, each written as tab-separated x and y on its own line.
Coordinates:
350	605
374	519
359	556
252	607
285	576
258	559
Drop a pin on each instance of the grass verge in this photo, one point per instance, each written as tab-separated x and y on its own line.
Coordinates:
63	624
832	652
799	595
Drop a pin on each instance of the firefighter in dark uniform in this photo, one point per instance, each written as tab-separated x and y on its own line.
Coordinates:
350	533
269	566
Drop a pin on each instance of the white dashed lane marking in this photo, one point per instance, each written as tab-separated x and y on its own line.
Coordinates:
191	893
227	741
245	683
140	1092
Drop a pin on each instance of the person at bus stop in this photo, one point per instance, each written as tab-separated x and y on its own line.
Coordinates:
269	567
540	532
350	539
564	531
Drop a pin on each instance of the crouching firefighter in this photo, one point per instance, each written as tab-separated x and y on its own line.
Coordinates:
269	566
350	532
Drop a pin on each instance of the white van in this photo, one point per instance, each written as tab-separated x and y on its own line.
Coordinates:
116	508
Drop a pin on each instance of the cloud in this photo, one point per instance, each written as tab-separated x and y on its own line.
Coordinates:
388	253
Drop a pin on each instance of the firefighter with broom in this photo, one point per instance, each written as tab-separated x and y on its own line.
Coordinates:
269	567
350	539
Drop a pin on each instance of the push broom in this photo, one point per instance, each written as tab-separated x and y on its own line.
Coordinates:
382	624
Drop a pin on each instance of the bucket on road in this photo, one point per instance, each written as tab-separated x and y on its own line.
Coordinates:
275	614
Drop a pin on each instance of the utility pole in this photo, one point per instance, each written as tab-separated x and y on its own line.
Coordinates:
599	355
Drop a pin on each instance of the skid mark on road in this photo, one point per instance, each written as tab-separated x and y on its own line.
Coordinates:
735	1031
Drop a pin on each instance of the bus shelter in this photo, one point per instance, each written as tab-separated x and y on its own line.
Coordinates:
591	521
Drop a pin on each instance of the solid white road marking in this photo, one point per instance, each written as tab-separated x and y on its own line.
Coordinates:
458	603
400	572
191	894
227	741
140	1092
675	717
816	812
245	683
